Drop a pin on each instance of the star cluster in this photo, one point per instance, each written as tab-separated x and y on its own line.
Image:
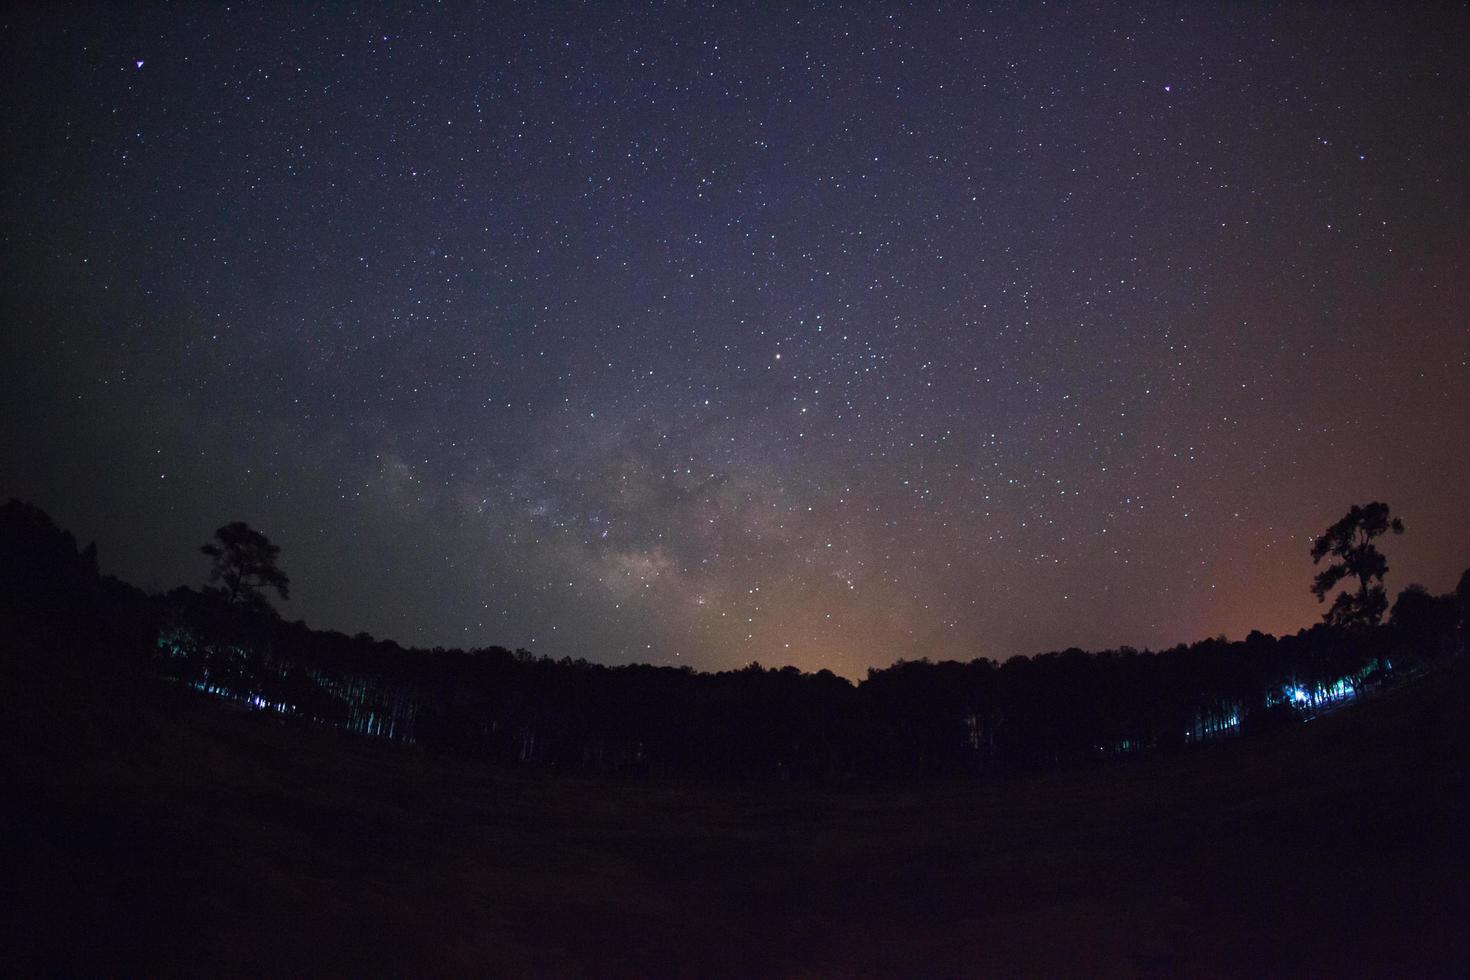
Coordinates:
710	334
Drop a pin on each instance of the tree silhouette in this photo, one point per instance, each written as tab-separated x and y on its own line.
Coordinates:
1425	624
245	562
912	720
1462	603
1350	541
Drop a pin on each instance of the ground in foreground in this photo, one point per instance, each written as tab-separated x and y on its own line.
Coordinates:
157	831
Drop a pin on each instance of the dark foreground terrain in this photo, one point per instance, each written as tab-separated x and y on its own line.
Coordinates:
153	830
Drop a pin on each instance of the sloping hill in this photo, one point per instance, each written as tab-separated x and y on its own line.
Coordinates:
158	831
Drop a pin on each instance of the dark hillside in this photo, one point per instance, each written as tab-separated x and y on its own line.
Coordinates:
157	830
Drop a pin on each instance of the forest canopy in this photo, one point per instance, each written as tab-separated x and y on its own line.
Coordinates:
913	719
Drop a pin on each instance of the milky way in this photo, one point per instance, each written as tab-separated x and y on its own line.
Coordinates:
710	335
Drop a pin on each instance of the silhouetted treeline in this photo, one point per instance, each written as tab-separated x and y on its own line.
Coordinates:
912	719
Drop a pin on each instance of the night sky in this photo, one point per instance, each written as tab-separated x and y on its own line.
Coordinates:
704	335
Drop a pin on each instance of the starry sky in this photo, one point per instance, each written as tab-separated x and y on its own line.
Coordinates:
710	334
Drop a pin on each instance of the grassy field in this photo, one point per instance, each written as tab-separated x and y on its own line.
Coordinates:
156	831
